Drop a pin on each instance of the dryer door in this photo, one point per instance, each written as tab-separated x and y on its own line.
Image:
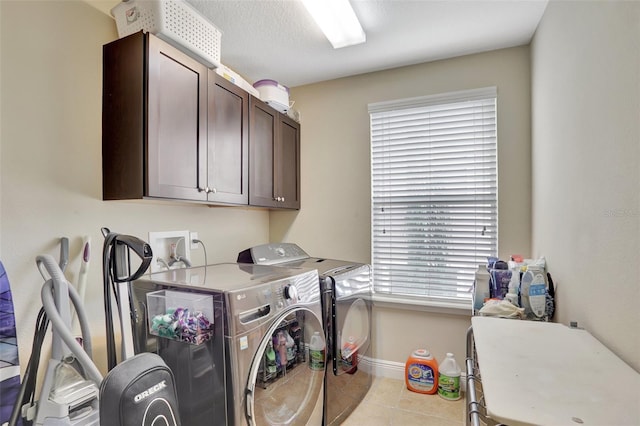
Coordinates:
351	312
284	386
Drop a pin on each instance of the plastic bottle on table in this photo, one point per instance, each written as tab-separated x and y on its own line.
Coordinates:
481	289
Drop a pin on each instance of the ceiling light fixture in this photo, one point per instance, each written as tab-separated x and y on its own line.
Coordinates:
337	20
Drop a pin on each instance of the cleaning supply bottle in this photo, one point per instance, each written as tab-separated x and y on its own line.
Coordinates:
270	356
449	378
316	352
533	293
538	295
349	356
481	287
282	348
421	372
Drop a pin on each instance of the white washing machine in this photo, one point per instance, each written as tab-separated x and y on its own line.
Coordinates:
346	310
251	366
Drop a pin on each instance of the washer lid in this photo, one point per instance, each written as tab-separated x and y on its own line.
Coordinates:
223	277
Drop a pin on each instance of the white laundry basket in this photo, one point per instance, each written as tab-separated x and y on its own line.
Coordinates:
174	21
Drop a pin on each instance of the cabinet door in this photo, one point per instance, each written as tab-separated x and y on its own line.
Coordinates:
262	136
274	158
287	163
176	124
123	118
228	142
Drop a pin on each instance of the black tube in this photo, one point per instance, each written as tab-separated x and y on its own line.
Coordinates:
27	388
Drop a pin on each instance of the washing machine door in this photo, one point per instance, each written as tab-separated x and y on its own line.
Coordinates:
284	386
351	313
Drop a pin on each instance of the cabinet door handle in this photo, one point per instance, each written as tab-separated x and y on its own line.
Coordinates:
213	190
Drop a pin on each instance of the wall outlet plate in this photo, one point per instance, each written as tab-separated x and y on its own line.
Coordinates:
193	236
161	243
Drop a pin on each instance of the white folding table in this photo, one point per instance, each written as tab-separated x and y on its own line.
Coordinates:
541	373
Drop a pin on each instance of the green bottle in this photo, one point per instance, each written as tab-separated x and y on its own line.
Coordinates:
270	354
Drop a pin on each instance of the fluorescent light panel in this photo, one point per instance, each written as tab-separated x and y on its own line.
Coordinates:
337	20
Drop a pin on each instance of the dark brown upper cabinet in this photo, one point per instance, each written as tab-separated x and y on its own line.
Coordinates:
171	128
228	142
274	159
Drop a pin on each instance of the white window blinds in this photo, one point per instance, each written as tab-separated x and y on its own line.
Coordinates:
434	195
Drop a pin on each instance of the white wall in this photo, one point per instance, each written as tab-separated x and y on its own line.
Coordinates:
586	165
50	174
335	217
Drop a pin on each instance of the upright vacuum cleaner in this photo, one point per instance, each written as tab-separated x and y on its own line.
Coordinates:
69	395
138	391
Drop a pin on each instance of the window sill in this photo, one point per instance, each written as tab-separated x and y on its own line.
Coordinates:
418	305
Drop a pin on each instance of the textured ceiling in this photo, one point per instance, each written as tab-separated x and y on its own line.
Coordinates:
277	39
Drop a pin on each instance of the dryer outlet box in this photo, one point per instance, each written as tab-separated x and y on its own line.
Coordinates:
164	244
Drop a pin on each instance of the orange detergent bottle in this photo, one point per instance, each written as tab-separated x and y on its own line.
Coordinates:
421	372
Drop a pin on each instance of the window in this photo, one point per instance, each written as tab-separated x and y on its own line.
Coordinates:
434	195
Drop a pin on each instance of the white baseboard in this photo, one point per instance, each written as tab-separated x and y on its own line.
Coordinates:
395	370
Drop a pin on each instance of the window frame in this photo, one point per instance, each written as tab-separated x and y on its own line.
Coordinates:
459	303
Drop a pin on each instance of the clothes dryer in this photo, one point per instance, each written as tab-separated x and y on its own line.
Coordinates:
346	310
250	365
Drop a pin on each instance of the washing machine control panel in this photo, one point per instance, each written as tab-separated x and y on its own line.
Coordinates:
290	292
286	295
272	254
269	298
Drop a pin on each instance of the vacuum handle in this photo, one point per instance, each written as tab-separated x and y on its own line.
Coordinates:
64	253
141	248
55	296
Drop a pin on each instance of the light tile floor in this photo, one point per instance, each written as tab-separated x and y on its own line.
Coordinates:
390	403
